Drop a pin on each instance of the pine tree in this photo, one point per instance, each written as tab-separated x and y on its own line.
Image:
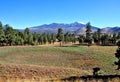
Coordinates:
81	39
2	35
26	36
95	37
73	38
114	38
106	39
30	39
49	37
10	34
19	40
117	55
60	36
66	37
45	40
53	37
88	33
118	36
35	38
99	35
40	39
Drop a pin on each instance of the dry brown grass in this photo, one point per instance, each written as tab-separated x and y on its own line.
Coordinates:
55	62
32	71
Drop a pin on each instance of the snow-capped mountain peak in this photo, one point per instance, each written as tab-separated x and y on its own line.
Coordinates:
81	22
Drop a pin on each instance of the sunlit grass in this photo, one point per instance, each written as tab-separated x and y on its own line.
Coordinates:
81	57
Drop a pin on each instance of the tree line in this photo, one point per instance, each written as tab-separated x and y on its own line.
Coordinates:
10	36
98	37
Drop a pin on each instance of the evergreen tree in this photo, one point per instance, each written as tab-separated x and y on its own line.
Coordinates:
40	39
19	40
106	39
99	35
30	39
2	35
81	39
35	38
45	40
49	37
67	37
114	38
118	36
95	37
10	35
73	38
53	37
70	38
26	35
60	36
88	33
117	55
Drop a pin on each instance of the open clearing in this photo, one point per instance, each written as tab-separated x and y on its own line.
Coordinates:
54	62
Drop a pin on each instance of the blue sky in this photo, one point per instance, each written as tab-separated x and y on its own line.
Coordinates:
26	13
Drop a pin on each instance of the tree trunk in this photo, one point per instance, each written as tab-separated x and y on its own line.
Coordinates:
60	43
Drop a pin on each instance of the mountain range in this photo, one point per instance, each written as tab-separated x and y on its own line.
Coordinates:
76	28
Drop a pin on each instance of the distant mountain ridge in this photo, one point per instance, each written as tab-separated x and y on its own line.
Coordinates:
111	30
76	28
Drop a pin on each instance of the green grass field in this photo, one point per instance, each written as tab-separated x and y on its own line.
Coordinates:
78	58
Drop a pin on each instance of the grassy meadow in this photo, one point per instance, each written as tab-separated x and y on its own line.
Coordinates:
58	61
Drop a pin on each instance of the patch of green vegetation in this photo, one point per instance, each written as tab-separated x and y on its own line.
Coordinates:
5	51
106	62
81	49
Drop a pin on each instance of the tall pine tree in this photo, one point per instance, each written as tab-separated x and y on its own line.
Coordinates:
60	36
99	35
2	35
88	34
117	55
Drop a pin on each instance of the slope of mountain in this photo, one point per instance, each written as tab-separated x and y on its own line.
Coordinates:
76	28
111	30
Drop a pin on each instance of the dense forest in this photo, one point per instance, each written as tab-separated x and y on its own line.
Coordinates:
10	36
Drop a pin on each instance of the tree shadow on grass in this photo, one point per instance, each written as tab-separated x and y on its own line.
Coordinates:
92	78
